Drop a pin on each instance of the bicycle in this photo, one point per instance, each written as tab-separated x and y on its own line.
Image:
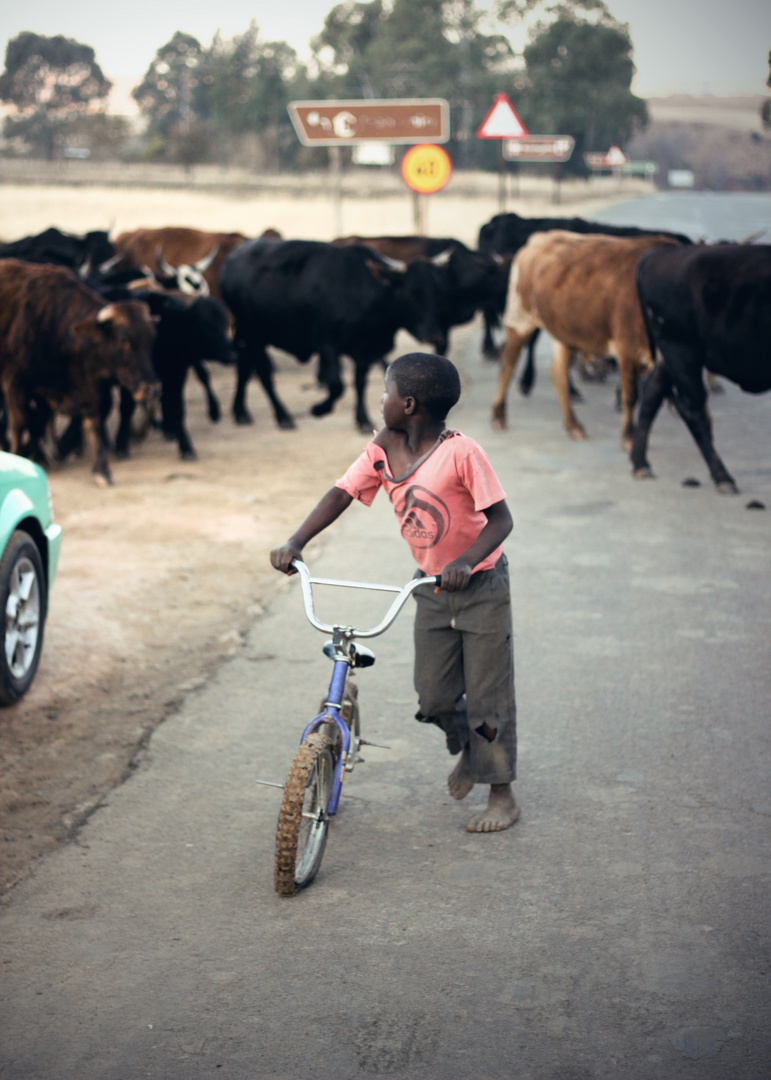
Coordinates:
329	746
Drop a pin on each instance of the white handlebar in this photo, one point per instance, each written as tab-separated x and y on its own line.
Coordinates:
403	592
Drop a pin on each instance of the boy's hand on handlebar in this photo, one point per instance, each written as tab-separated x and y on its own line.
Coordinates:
281	558
456	575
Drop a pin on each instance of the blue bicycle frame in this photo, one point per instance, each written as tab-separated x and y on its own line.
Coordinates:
345	654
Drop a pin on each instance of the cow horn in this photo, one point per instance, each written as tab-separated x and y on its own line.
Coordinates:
205	263
443	257
163	266
109	264
395	264
106	314
753	237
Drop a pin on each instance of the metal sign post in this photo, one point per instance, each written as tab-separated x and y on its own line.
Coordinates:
541	148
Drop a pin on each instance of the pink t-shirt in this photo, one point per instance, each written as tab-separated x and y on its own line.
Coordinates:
440	505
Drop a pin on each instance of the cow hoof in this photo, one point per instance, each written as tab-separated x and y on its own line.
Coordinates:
214	412
727	487
103	480
499	420
322	409
644	473
578	434
287	423
121	454
188	455
244	418
491	354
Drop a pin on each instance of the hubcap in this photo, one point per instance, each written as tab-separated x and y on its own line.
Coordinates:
22	618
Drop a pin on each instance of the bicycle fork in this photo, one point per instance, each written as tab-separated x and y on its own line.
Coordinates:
332	707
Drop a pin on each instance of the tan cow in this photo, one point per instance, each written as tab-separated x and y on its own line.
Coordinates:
180	246
580	289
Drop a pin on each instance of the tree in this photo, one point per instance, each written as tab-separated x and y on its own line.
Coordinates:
578	73
48	82
418	48
170	93
248	84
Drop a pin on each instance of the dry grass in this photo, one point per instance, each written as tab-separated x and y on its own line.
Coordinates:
372	204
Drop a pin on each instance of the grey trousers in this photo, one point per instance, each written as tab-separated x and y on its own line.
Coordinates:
464	671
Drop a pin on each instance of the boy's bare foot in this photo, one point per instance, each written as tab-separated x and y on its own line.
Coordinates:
502	810
459	782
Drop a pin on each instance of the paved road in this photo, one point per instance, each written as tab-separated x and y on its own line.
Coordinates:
619	930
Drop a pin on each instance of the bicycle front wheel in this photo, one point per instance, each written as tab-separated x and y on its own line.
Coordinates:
301	833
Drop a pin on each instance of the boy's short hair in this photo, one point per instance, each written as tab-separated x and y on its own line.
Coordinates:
432	380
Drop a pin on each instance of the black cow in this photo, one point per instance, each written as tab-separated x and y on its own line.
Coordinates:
308	297
186	334
704	307
79	253
503	236
468	281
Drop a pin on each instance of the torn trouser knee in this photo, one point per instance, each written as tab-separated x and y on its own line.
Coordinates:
454	724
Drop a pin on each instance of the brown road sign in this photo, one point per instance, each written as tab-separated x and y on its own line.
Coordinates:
539	148
391	120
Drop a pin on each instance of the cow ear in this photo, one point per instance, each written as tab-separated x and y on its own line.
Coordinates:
86	328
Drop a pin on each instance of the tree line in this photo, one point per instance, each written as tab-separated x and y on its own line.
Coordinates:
226	102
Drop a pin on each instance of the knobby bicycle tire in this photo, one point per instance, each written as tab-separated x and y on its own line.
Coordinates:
300	841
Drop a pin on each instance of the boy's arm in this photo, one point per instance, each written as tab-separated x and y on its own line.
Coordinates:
327	510
457	574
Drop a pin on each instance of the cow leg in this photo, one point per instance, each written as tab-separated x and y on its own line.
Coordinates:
173	412
361	372
560	377
656	386
491	320
261	366
627	378
329	376
510	354
127	405
527	378
691	402
99	467
71	439
17	412
212	402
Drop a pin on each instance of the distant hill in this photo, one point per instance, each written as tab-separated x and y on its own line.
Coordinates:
740	113
721	140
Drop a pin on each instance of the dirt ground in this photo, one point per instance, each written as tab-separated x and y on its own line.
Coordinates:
159	578
161	574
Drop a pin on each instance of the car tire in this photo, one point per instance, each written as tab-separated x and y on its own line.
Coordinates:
23	600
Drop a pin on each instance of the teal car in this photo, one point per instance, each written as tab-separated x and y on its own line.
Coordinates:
30	544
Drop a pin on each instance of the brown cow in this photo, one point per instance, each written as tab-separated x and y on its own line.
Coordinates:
58	340
581	290
180	246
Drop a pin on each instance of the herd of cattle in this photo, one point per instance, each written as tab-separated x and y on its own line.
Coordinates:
80	315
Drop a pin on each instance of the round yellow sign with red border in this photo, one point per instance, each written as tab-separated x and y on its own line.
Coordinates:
426	168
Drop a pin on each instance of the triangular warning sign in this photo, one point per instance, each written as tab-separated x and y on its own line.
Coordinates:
501	121
615	156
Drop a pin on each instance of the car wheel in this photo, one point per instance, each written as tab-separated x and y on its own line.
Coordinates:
23	599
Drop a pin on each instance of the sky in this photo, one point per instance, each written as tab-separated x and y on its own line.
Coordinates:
681	46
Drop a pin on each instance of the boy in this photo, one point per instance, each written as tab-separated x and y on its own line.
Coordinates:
454	516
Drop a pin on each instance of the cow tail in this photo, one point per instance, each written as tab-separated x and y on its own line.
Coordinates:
645	313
